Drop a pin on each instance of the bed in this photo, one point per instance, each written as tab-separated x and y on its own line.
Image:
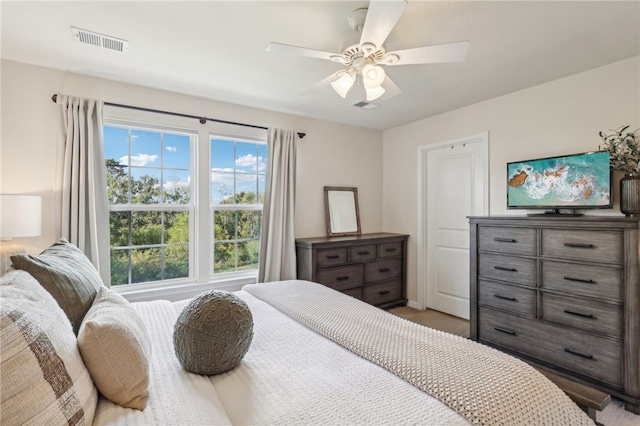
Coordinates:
317	357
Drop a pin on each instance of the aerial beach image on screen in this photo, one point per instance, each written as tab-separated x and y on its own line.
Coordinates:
575	180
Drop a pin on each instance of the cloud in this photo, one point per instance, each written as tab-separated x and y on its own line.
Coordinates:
138	160
250	160
171	148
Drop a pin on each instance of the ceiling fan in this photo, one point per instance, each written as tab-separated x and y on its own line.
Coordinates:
363	60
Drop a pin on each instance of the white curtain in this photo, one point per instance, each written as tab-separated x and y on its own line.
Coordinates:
83	185
277	242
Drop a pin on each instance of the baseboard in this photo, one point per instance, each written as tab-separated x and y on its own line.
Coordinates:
414	305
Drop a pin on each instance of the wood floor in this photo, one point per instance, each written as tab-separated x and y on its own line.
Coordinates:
433	319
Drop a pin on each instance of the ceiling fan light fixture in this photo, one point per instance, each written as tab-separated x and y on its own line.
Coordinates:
343	84
373	75
374	93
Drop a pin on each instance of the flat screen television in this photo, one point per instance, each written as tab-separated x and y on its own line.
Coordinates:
576	181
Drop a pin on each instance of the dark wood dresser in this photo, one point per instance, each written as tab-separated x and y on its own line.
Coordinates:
369	267
561	293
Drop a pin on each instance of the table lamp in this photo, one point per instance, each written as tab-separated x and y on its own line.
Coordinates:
20	216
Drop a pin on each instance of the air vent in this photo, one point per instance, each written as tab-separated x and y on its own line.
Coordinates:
365	105
99	40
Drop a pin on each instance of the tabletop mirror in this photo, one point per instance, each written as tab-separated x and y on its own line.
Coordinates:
341	211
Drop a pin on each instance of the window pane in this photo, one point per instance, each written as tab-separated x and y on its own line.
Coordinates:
176	153
119	229
224	225
145	186
116	144
145	265
248	255
176	260
224	258
145	148
221	155
246	158
246	189
177	189
261	180
117	183
249	224
176	225
262	158
146	228
221	188
119	267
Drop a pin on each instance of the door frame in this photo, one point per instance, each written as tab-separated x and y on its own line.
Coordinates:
423	150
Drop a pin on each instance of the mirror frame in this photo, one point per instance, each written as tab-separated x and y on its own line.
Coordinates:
328	215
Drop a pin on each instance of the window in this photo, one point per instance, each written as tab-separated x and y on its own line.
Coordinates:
185	202
150	205
237	194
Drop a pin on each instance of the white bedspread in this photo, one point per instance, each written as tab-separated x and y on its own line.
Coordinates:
291	375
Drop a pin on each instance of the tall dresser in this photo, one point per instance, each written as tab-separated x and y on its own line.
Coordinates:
561	293
369	267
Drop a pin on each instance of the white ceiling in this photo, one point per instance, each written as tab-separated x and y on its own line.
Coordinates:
216	49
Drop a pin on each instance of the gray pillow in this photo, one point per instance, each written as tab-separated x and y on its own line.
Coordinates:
213	333
65	272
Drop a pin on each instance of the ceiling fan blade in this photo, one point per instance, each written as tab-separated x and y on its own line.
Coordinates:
449	52
322	84
391	89
382	16
303	51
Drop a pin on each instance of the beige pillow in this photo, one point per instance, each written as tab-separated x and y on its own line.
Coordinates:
65	272
44	380
115	346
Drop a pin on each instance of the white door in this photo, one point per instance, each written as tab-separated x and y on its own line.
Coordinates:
456	182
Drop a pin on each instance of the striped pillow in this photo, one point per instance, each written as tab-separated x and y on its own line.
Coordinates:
44	380
65	272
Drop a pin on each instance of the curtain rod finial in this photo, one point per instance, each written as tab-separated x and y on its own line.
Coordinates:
301	135
203	120
54	98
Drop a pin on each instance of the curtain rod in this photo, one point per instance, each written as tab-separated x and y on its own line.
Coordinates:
202	120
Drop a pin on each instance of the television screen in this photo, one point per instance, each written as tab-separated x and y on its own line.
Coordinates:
577	181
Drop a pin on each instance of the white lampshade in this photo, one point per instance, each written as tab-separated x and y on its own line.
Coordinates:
343	84
20	216
373	75
374	92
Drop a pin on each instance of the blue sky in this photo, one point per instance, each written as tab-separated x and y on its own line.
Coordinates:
149	154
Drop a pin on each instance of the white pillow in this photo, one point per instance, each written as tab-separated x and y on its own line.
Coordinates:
115	346
43	378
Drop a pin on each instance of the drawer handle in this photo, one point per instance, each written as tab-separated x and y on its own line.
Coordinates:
505	330
499	296
333	256
362	253
578	245
572	352
504	268
383	292
384	270
566	311
391	249
342	278
579	280
505	240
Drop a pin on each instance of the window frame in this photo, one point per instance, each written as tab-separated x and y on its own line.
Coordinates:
201	237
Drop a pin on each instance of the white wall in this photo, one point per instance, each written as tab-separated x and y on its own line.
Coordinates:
561	117
330	155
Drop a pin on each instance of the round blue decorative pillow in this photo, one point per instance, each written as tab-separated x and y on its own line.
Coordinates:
213	333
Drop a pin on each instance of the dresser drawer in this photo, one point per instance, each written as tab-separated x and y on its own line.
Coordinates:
384	269
390	249
377	294
354	292
341	277
591	246
588	280
330	257
507	297
581	353
362	253
507	240
506	268
587	315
